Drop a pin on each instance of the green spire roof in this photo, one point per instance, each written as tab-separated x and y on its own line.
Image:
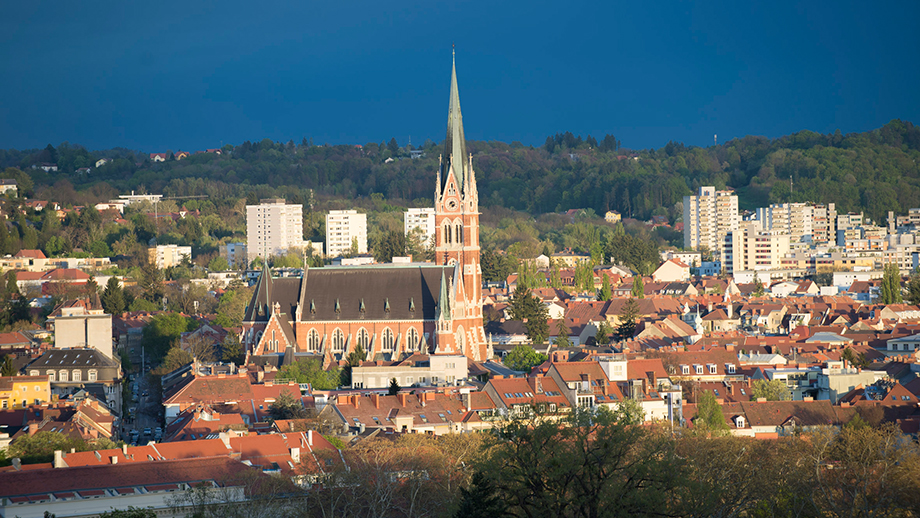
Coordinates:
455	143
444	301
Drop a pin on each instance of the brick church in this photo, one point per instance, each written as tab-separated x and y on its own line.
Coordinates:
391	311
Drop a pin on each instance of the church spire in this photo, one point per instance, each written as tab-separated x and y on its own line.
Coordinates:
455	144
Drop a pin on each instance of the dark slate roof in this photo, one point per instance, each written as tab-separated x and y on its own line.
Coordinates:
73	358
268	291
387	292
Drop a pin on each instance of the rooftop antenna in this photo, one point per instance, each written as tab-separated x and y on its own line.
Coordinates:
715	139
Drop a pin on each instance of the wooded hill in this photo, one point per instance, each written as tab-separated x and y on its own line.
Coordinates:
875	172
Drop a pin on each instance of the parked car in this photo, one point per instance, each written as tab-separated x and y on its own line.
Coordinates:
147	432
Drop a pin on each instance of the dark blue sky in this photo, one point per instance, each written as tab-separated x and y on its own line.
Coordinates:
189	75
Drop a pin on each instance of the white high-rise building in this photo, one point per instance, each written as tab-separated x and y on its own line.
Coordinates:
342	228
272	228
749	248
795	219
708	217
422	219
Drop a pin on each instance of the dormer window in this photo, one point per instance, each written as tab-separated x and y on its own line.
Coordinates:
739	421
698	368
712	368
730	367
685	369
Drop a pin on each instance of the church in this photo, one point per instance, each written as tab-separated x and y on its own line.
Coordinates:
391	311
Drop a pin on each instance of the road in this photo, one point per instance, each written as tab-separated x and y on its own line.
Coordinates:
147	414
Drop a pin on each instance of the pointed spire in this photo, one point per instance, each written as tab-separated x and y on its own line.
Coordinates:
443	300
455	144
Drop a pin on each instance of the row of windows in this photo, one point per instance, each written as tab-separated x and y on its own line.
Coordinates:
65	375
698	369
363	338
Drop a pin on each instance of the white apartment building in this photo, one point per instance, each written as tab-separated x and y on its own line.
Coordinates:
235	254
796	219
422	219
342	227
824	219
709	217
751	249
272	228
165	256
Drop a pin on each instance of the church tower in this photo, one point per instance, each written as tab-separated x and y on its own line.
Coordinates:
456	203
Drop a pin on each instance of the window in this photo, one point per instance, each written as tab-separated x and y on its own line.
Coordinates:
459	233
91	375
363	338
50	375
699	369
62	375
338	341
33	373
387	340
412	339
3	404
712	369
731	368
685	369
313	342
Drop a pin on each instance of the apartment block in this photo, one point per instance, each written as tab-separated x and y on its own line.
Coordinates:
422	219
165	256
343	227
272	228
709	217
824	223
796	219
749	248
235	254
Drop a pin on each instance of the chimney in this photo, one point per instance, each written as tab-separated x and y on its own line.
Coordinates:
761	400
465	397
376	399
403	399
269	383
429	396
33	428
652	379
17	464
260	376
536	383
124	449
295	454
225	438
114	459
59	459
355	399
310	437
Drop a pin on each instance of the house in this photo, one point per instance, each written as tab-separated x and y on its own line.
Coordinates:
425	412
612	216
181	154
522	396
22	391
8	185
102	161
418	370
72	370
234	391
159	157
672	270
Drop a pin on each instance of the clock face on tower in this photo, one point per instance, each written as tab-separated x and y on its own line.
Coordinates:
451	204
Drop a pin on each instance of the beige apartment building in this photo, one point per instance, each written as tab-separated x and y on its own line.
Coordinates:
709	217
165	256
342	228
795	219
750	248
273	227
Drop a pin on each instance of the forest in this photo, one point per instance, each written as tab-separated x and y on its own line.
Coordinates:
525	191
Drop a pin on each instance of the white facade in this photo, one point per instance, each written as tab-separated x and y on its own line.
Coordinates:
272	228
342	227
708	217
422	219
795	219
751	249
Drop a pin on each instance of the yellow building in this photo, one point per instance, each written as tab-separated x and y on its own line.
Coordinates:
22	391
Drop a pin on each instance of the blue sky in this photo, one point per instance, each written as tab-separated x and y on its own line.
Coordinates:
192	75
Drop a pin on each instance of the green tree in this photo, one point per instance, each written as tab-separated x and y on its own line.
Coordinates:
537	324
628	316
562	334
758	287
394	387
523	358
150	282
913	289
603	334
389	244
113	297
218	264
481	499
854	359
286	406
7	369
393	147
175	358
638	290
772	390
606	292
130	512
709	418
310	370
163	331
41	446
231	350
891	285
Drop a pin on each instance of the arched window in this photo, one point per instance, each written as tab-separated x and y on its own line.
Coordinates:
447	236
363	339
460	342
338	341
77	375
313	341
412	339
92	375
62	376
50	375
387	340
